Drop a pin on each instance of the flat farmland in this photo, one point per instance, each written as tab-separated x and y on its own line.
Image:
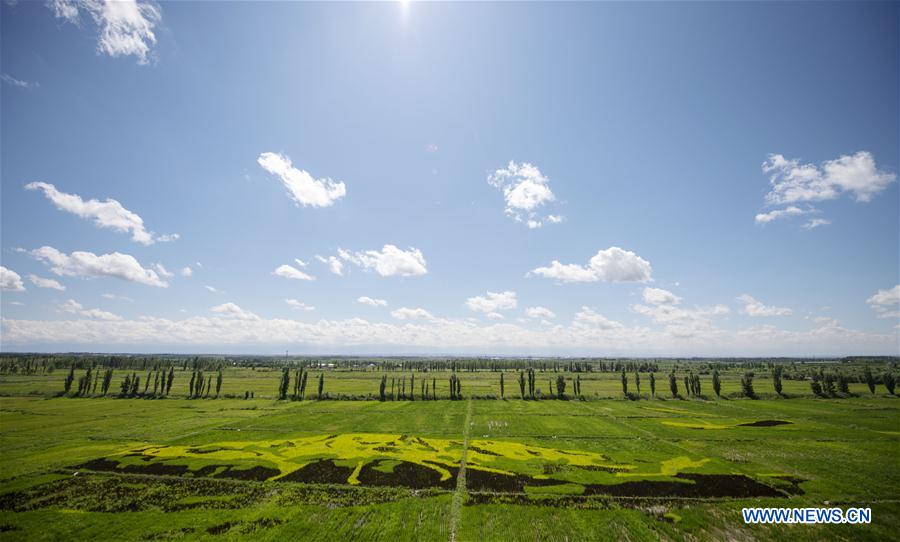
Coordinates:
598	467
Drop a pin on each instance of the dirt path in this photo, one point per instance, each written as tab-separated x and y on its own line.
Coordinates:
456	506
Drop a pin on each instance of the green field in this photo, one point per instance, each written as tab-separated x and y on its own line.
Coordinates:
594	468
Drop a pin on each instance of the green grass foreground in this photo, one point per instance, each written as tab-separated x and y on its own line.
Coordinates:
841	451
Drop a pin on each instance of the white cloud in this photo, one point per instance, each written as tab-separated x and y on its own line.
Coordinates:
883	300
213	289
404	313
366	300
678	321
233	311
17	303
589	334
495	316
10	281
298	305
335	265
390	261
304	189
73	307
288	272
116	297
525	190
611	265
186	272
658	296
752	307
300	262
126	26
856	174
587	317
10	80
88	264
109	214
793	210
492	302
815	223
41	282
163	271
539	312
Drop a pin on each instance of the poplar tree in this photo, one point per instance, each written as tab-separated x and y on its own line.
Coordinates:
560	387
815	385
219	382
170	380
747	385
67	386
637	381
843	384
776	378
501	386
870	380
381	387
624	382
522	384
652	385
828	384
321	384
673	384
283	384
107	380
716	383
889	382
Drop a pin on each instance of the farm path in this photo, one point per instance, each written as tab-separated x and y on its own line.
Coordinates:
456	506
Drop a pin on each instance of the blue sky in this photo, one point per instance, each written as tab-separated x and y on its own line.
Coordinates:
730	168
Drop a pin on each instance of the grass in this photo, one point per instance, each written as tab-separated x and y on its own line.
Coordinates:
841	451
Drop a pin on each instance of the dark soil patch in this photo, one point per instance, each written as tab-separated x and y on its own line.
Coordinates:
142	457
765	423
482	451
427	446
479	480
222	527
323	471
159	468
695	486
201	451
406	474
793	484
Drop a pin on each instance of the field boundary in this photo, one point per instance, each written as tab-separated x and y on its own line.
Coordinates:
456	505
